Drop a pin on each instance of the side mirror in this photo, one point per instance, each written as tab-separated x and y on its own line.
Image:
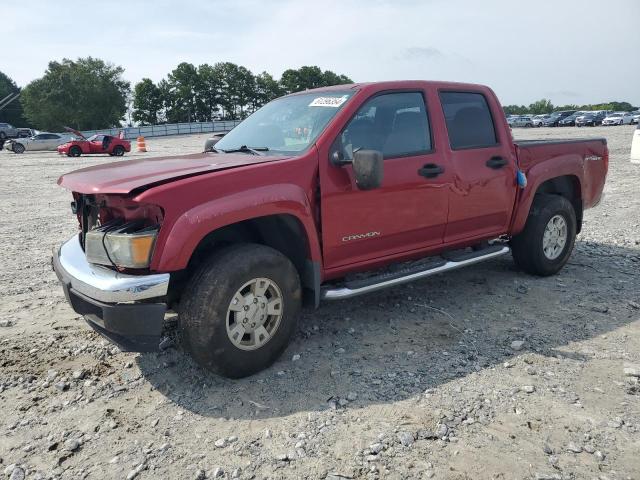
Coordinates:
367	167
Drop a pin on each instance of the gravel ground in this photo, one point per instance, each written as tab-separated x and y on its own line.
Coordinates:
480	373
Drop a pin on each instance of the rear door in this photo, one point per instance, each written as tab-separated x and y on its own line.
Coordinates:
482	154
409	211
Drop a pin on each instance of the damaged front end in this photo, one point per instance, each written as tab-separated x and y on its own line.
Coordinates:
104	270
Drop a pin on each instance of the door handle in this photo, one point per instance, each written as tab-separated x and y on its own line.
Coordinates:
430	170
496	162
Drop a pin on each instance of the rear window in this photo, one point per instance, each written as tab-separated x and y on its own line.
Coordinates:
469	121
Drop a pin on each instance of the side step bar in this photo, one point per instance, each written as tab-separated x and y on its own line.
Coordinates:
378	282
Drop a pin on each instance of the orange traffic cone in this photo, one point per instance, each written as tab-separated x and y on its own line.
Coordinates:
142	147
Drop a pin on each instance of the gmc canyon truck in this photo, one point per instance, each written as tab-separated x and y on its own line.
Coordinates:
320	195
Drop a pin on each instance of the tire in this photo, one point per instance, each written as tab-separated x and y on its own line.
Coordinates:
3	136
118	151
17	147
75	151
207	314
528	246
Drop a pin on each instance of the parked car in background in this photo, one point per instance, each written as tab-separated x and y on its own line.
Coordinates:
570	120
24	132
618	118
522	121
590	119
7	131
94	145
538	120
41	141
636	117
555	117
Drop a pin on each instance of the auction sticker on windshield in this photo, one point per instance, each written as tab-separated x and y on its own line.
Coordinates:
334	102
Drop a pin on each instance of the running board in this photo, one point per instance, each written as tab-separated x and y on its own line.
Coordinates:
378	282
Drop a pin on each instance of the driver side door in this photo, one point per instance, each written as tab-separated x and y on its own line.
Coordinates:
408	212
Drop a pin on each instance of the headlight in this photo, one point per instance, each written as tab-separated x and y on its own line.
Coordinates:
125	245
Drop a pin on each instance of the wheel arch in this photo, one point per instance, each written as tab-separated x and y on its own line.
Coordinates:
568	185
283	232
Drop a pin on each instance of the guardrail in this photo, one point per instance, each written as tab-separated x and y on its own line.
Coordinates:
167	129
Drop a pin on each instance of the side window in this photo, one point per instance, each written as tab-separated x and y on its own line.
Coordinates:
395	124
469	120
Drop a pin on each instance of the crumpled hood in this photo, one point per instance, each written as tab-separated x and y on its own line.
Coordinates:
126	176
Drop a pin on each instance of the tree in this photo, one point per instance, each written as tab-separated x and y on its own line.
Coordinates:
147	102
182	85
515	109
307	77
208	91
267	88
86	94
237	89
540	107
12	113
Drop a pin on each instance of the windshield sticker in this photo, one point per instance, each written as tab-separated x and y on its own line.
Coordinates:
333	102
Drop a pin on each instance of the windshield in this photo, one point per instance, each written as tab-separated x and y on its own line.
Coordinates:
615	115
287	124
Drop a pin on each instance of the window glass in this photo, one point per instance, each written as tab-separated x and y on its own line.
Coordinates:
469	121
288	124
395	124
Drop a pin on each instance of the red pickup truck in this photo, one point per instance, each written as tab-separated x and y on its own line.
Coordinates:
320	195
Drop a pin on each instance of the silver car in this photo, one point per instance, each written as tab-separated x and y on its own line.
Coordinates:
7	131
41	141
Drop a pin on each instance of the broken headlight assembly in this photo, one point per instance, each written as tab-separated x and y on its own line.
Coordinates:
121	244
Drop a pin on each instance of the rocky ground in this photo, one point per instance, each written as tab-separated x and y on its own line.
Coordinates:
480	373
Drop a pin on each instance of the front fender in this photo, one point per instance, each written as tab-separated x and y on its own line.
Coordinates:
179	239
565	165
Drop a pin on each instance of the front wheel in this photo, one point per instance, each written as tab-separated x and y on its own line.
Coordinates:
18	148
546	243
75	151
239	310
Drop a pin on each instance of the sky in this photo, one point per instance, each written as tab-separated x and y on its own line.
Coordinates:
570	51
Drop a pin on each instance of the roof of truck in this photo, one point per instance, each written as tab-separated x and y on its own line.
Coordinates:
396	84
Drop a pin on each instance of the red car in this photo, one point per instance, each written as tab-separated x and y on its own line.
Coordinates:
94	145
418	177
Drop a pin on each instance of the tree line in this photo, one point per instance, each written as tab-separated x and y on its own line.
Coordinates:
223	90
545	106
89	94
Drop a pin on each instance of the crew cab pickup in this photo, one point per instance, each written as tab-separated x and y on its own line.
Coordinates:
320	195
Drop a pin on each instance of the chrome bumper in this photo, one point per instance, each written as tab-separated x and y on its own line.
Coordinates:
103	284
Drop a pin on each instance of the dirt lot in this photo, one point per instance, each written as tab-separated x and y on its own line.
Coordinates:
481	373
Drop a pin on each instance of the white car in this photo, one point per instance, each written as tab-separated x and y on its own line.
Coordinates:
521	121
618	118
41	141
537	120
636	117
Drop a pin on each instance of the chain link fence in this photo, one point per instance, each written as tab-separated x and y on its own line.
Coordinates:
167	129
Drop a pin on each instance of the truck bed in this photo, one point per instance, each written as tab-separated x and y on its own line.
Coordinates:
585	158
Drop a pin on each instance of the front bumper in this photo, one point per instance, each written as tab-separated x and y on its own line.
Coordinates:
121	307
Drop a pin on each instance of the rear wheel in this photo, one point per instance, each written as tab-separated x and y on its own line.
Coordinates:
75	151
546	243
3	136
240	309
118	151
18	147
